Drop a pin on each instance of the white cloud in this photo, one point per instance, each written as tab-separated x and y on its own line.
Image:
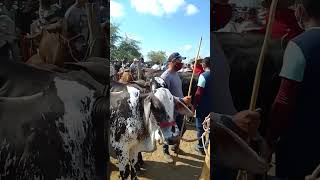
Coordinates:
157	7
187	47
191	10
116	9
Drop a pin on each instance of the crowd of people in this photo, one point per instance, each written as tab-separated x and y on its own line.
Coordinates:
173	66
255	19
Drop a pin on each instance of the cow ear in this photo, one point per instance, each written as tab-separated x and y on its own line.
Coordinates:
181	108
147	108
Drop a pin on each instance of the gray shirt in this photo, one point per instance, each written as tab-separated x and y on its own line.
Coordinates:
173	82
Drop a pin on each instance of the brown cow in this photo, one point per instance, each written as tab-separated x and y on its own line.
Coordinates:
126	77
52	50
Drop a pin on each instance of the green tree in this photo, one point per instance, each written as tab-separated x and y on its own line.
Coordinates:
128	49
114	34
114	39
122	48
157	57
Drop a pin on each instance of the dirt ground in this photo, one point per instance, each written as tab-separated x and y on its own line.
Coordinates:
188	164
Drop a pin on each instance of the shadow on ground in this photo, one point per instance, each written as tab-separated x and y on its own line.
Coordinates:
188	164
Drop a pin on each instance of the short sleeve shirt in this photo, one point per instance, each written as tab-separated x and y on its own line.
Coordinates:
294	63
173	82
201	81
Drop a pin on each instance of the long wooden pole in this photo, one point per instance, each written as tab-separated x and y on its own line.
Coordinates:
242	174
257	79
194	67
189	92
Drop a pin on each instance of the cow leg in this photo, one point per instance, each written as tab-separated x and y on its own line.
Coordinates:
140	162
124	174
124	167
134	161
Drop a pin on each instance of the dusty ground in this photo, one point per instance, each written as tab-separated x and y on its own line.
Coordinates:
188	166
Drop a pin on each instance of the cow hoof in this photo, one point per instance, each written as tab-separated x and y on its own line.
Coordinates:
168	158
134	178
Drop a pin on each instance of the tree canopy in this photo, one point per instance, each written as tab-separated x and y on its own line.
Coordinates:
122	47
157	57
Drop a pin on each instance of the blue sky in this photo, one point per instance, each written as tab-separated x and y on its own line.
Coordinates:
167	25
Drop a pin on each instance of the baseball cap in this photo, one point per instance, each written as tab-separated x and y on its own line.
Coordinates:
175	56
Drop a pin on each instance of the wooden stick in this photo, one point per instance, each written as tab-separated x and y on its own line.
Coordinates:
189	92
257	78
194	67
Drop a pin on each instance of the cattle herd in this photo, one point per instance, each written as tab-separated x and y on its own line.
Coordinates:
65	122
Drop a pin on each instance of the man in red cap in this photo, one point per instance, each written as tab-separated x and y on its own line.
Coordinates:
198	67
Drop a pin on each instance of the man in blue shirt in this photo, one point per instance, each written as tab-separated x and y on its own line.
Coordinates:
202	100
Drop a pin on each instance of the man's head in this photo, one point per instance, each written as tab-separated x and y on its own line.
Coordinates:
198	61
307	13
175	61
135	60
206	63
141	60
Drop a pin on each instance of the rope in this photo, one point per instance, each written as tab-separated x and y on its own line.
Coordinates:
314	175
206	127
89	49
206	131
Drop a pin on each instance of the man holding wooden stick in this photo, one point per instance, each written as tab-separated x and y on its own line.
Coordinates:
173	81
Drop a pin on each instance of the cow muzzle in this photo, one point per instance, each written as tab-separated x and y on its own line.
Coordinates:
169	132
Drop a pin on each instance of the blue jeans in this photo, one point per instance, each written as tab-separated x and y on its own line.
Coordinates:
179	121
200	130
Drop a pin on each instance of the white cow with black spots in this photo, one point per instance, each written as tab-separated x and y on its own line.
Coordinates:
135	122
